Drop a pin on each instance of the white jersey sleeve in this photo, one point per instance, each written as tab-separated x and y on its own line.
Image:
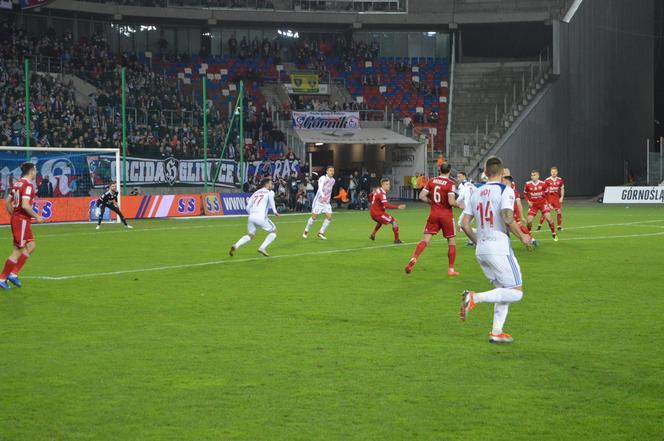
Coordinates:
271	201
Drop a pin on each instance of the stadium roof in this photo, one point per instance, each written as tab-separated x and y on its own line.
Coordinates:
364	136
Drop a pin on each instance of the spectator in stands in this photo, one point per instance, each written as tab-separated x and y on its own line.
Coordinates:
353	184
45	189
421	182
413	185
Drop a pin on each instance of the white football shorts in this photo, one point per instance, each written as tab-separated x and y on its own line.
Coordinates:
501	270
259	222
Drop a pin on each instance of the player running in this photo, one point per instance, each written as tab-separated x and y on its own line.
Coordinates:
259	204
439	193
509	181
555	195
321	203
19	205
378	205
535	194
109	200
465	188
492	205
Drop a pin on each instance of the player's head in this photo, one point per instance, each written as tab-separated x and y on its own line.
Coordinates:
385	184
508	180
113	186
266	182
330	171
462	176
445	168
506	171
28	170
535	175
554	171
493	167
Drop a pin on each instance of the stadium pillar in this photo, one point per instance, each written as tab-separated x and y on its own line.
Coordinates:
124	133
661	140
205	135
648	161
241	123
26	79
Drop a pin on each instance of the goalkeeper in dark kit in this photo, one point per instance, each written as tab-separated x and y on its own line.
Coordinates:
109	200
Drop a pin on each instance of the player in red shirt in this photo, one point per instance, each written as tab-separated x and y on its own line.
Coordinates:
19	205
379	215
535	194
508	180
555	196
439	193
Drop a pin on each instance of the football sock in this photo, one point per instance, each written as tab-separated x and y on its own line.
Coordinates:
418	250
326	223
451	255
552	226
244	239
310	222
499	317
498	295
560	219
395	230
541	220
9	266
529	227
376	228
21	261
268	240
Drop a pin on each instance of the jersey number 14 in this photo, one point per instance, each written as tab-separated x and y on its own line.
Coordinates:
486	214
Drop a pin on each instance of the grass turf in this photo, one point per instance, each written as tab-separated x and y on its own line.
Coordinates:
328	344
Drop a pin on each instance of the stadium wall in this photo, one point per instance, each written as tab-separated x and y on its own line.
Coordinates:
600	111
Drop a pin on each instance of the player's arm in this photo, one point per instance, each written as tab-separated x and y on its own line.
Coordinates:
451	199
424	196
27	207
562	193
526	196
465	226
8	203
518	204
272	204
508	219
250	204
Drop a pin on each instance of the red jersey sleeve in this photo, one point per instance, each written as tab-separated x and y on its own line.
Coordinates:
526	193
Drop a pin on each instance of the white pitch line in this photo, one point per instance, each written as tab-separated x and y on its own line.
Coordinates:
285	256
214	262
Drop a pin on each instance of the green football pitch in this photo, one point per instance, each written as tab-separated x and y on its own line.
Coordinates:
156	333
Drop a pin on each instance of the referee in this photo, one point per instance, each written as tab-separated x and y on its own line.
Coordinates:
109	200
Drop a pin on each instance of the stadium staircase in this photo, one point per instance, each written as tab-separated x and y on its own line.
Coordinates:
488	99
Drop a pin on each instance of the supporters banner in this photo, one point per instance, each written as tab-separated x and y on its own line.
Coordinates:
29	4
66	172
326	120
323	89
304	82
5	4
634	195
171	171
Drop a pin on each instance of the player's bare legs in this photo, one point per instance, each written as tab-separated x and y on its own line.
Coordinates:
268	240
501	298
541	221
326	223
395	230
426	238
310	222
243	240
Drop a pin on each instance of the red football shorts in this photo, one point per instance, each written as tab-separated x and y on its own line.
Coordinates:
382	218
437	223
22	231
554	201
542	206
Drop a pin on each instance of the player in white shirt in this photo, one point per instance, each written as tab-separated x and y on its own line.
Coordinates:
466	189
321	203
258	207
492	205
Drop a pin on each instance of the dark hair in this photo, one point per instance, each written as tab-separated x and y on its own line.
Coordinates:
329	167
265	180
509	178
26	168
553	166
445	167
384	180
462	173
493	166
535	171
